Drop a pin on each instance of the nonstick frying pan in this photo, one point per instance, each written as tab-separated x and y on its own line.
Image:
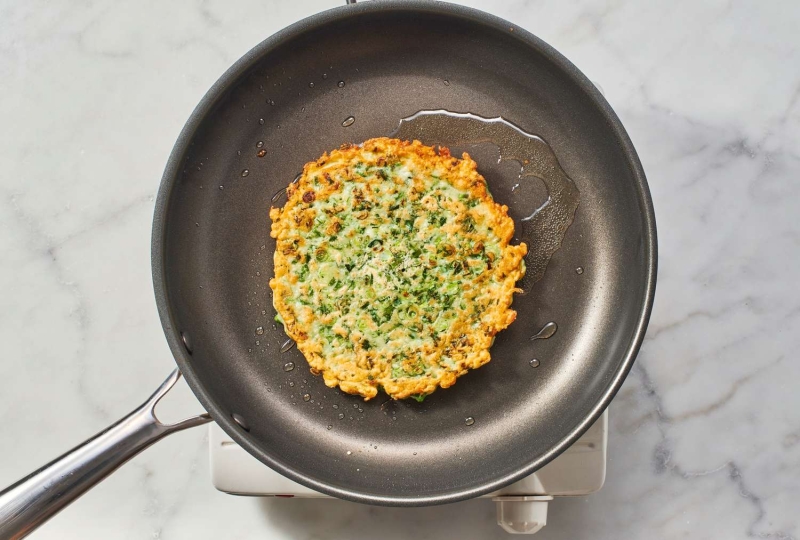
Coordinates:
212	258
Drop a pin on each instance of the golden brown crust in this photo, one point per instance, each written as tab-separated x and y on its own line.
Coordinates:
487	293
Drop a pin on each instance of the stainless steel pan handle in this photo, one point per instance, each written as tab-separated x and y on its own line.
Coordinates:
39	496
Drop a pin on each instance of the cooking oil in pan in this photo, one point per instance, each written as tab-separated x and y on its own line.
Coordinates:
543	228
281	193
287	345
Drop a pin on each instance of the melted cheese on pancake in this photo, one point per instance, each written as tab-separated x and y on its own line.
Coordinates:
393	267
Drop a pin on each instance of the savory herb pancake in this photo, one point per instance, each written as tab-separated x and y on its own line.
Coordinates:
393	267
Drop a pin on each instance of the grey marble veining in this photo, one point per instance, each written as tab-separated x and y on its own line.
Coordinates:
705	433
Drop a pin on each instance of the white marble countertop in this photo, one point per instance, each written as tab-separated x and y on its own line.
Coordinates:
705	434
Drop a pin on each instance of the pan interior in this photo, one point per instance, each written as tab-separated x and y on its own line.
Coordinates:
288	106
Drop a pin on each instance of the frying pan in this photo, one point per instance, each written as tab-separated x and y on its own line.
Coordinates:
379	62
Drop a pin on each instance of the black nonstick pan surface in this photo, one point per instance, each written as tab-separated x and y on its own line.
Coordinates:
212	254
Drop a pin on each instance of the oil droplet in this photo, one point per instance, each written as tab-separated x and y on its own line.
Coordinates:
260	331
415	453
394	418
261	121
349	121
291	384
238	152
335	406
287	345
469	420
311	85
579	270
546	332
288	366
355	405
221	187
534	363
263	311
306	397
270	102
261	153
340	84
360	410
245	172
249	350
446	82
341	416
259	144
258	342
324	75
349	452
330	426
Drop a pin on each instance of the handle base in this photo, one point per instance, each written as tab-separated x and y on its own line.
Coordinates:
36	498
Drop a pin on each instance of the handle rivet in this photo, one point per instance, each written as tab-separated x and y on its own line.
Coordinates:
186	342
240	421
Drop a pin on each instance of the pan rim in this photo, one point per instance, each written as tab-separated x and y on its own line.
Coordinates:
175	164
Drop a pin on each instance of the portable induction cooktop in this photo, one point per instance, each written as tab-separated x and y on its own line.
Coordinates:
521	506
